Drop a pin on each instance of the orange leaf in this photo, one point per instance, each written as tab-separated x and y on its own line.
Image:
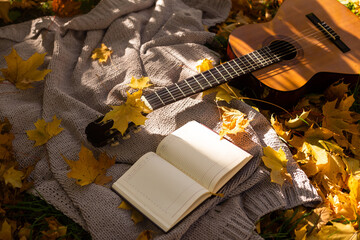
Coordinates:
89	170
56	230
5	231
66	8
145	235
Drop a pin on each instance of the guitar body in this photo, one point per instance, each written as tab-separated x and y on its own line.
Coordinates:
315	53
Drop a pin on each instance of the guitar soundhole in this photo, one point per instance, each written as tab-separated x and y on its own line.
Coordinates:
283	49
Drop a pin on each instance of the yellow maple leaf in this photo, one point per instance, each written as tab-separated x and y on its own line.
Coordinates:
204	65
233	121
22	73
56	230
139	83
339	119
300	234
5	231
136	216
44	131
341	204
224	92
131	111
102	53
337	231
277	162
14	177
145	235
336	91
89	170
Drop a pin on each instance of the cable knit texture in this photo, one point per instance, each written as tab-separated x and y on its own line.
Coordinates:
161	39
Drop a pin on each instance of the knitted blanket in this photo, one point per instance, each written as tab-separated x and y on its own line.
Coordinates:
161	39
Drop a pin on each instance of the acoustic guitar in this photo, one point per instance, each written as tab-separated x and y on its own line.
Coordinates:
305	38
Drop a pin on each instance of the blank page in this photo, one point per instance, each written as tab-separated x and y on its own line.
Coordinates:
198	151
158	189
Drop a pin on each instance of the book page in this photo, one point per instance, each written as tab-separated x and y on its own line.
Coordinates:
159	190
198	151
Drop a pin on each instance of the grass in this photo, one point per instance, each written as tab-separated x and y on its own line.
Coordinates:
34	211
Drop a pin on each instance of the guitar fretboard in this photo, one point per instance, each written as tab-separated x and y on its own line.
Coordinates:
213	77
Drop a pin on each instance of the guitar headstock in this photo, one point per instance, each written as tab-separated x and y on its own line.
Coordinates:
100	133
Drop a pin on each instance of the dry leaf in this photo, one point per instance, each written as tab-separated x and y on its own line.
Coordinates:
44	131
23	4
298	121
5	231
224	92
25	232
56	230
337	231
339	119
233	121
22	73
145	235
139	83
336	91
4	10
136	216
66	8
277	162
130	111
89	170
102	53
14	177
301	233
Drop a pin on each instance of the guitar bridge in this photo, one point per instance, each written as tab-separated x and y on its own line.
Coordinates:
328	32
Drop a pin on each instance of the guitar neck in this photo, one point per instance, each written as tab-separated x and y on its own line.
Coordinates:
221	74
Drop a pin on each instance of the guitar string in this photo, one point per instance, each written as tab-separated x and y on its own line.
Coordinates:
227	76
247	67
227	73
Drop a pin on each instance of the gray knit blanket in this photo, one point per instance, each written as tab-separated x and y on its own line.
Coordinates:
161	39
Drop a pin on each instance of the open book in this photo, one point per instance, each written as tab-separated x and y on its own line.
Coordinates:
189	166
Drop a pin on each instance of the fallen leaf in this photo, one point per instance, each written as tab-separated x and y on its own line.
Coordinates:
298	120
4	10
25	232
23	4
337	231
14	177
204	65
341	205
89	170
339	119
22	73
224	92
145	235
277	162
102	53
5	231
136	216
66	8
301	233
56	230
44	131
336	90
233	121
131	111
139	83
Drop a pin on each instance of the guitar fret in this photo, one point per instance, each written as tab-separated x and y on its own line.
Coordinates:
170	93
180	89
189	86
221	74
229	63
198	83
206	79
214	76
239	66
226	70
251	65
159	98
260	58
273	56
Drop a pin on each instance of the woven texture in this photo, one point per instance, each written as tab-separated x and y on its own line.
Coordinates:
162	40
